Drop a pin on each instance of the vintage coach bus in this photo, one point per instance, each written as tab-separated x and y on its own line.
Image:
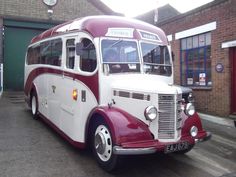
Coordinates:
108	82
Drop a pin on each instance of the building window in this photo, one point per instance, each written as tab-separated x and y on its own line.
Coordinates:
195	61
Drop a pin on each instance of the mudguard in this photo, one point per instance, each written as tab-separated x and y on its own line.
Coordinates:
123	126
27	91
192	121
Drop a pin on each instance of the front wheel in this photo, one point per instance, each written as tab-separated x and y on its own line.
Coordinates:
102	145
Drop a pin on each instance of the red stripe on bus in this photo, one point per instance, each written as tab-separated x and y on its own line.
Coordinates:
90	81
62	134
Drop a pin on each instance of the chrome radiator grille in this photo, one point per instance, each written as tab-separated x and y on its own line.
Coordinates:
169	123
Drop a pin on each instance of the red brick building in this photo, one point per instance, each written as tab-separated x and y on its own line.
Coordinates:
204	44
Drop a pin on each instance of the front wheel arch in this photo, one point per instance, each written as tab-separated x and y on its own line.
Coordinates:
93	118
124	127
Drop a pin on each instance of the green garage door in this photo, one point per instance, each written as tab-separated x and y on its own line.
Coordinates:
17	36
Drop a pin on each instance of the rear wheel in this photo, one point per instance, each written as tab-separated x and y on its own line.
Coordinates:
102	145
34	105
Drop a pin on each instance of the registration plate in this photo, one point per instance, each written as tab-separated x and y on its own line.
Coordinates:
176	147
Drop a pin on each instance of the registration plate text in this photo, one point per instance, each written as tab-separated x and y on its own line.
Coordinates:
176	147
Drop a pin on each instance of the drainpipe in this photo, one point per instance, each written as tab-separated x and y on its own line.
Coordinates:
1	56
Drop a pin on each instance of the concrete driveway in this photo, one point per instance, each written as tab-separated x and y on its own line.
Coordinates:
30	148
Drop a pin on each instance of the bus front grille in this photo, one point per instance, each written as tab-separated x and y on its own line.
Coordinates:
169	116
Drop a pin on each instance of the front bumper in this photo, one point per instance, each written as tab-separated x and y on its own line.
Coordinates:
152	146
133	151
206	138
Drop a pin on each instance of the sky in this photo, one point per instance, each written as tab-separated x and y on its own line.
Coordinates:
132	8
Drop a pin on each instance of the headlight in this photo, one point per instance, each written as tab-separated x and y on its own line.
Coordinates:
193	131
190	98
150	113
189	109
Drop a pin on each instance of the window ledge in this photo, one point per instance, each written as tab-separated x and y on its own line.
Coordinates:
201	88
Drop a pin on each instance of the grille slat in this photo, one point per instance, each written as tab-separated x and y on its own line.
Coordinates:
126	94
169	116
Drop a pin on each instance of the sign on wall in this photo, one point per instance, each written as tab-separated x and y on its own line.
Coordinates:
202	79
190	81
219	67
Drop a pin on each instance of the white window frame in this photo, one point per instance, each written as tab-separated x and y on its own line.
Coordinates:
195	31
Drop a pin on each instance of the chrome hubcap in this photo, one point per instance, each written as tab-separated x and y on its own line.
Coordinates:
103	143
100	143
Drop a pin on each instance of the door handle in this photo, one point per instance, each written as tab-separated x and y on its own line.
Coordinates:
53	88
83	95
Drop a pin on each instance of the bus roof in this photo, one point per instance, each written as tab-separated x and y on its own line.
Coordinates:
110	26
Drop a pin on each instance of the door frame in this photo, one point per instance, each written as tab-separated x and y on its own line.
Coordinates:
232	57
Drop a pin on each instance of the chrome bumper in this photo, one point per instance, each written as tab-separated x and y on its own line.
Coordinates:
118	150
207	137
133	151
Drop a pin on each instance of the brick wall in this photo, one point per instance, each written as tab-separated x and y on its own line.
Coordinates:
36	9
215	101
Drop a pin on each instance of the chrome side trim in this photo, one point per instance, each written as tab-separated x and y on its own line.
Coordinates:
133	151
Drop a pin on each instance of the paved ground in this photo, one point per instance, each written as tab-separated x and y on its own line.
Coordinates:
30	148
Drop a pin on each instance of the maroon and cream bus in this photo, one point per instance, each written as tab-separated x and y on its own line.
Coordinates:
108	82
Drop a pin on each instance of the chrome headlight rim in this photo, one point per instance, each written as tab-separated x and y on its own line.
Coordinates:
193	131
189	109
150	113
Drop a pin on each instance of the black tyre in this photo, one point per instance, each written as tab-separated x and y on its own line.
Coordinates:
102	146
186	150
34	105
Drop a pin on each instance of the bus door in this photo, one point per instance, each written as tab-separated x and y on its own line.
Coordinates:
80	82
69	90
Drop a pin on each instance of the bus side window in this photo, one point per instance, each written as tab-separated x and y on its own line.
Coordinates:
33	55
55	58
30	56
88	60
45	52
51	52
70	53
